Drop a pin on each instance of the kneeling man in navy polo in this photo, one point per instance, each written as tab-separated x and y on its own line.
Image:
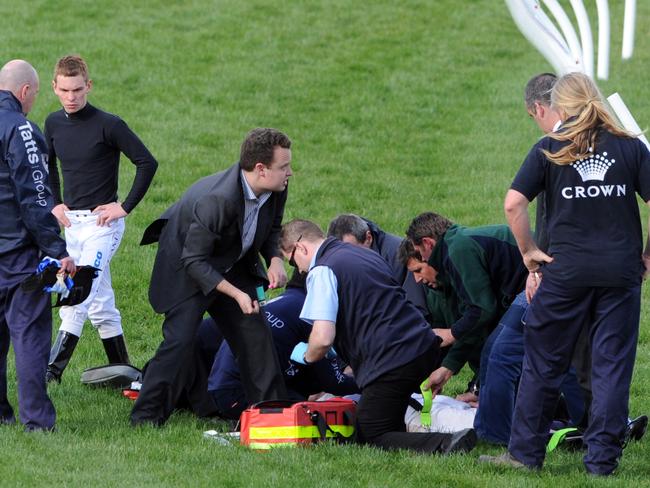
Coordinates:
354	304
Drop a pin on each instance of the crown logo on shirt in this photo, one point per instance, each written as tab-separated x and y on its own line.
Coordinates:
593	167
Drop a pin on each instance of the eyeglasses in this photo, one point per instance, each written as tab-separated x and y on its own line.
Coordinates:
292	261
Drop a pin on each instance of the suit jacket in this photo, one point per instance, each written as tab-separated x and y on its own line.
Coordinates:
200	239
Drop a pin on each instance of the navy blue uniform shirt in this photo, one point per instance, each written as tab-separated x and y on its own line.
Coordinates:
593	216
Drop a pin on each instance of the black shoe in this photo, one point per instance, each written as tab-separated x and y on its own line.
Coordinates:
7	420
115	348
636	429
60	355
51	377
461	441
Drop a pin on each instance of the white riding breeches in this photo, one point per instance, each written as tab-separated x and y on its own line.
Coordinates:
90	244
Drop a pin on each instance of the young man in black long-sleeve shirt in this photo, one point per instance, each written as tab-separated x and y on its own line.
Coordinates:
88	141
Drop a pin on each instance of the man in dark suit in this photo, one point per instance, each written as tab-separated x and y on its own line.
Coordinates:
208	260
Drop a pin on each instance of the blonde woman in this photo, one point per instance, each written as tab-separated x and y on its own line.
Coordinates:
591	171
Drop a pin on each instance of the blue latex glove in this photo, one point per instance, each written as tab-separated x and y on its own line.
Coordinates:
298	353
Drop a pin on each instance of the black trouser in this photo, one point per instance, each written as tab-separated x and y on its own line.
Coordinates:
209	340
383	403
176	370
555	319
582	363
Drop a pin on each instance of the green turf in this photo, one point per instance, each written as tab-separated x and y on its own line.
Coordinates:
393	107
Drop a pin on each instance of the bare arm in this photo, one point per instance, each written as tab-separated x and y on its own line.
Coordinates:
321	339
516	209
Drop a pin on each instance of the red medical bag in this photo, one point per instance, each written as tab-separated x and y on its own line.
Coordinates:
281	423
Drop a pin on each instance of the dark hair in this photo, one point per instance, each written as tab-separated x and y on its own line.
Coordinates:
346	224
304	230
407	251
259	145
538	89
427	224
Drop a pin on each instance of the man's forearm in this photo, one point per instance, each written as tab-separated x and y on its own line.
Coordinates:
315	352
320	340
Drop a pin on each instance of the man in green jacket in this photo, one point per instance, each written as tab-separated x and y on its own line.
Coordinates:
444	309
482	267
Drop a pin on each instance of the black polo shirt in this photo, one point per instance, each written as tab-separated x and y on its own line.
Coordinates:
594	226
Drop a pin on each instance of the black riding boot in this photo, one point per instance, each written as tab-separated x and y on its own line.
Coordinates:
115	348
60	355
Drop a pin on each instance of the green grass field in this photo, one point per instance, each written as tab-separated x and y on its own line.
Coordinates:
393	107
